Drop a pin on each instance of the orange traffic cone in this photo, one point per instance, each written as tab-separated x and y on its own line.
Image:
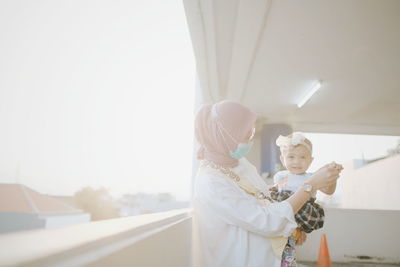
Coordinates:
323	257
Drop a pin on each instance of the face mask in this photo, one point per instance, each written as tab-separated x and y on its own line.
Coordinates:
241	150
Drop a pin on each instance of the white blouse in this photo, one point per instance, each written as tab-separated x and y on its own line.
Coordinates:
232	227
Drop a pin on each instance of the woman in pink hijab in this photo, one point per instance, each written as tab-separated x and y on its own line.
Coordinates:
235	224
220	128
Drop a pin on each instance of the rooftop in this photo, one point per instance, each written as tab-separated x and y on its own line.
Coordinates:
19	198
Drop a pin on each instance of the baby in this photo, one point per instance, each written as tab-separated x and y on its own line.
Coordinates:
296	157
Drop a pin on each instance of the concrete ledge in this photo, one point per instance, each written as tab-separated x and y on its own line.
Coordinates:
89	243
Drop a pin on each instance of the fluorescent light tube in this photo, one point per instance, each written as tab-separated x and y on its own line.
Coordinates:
310	93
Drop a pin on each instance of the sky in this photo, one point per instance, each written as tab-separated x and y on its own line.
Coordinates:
101	93
343	148
96	93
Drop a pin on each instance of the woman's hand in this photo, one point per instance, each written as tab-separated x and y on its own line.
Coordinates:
325	176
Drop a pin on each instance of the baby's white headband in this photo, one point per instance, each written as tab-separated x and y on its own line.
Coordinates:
296	139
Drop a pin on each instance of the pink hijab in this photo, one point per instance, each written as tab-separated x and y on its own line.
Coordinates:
215	143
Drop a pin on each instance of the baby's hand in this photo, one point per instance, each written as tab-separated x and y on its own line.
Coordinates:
299	236
335	166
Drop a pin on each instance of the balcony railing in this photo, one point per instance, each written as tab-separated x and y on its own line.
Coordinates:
159	239
165	239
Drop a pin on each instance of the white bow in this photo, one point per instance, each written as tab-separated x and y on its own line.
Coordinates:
296	139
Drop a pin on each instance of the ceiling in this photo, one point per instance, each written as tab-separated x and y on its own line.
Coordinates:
267	54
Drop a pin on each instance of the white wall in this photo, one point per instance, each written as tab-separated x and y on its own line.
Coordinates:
55	221
168	247
352	233
373	186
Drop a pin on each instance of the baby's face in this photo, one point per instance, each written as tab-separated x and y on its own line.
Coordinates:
297	159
